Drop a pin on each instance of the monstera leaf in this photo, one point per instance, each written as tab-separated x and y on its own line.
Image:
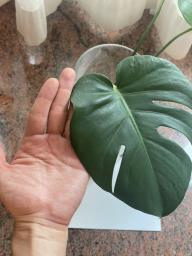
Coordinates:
186	9
154	173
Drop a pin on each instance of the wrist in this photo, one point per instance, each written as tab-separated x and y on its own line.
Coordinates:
36	237
41	221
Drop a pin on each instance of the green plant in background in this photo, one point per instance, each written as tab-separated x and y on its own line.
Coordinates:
123	118
185	7
148	30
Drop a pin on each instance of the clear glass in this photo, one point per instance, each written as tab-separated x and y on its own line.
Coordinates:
102	59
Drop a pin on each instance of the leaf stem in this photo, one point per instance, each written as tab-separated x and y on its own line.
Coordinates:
149	27
171	41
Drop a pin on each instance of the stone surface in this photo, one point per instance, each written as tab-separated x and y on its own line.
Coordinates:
70	33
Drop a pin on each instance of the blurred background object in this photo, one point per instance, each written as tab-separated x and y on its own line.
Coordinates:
112	16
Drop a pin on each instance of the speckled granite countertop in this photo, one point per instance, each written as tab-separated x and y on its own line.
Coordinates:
68	37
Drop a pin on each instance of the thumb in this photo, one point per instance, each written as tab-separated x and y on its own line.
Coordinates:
2	165
68	123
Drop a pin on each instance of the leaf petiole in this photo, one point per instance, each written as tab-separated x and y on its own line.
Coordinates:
147	31
171	41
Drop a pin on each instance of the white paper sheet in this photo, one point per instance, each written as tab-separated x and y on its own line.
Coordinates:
101	210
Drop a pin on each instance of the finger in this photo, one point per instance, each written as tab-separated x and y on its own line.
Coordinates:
59	108
2	154
37	120
68	123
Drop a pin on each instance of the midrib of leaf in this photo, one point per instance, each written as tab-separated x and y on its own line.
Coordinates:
115	89
132	120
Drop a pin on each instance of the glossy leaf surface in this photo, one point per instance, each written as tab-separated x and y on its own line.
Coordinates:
155	172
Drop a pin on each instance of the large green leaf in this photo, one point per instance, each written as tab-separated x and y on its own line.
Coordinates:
186	9
155	172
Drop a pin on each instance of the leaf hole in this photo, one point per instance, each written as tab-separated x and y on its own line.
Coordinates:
171	104
177	137
117	167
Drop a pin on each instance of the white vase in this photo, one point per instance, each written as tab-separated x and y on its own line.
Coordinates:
51	5
31	18
114	14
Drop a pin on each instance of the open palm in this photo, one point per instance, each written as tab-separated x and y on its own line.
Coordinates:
46	179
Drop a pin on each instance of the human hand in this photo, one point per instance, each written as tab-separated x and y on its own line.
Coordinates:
45	181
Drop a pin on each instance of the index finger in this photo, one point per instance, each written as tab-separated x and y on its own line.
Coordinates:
59	108
66	132
37	120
